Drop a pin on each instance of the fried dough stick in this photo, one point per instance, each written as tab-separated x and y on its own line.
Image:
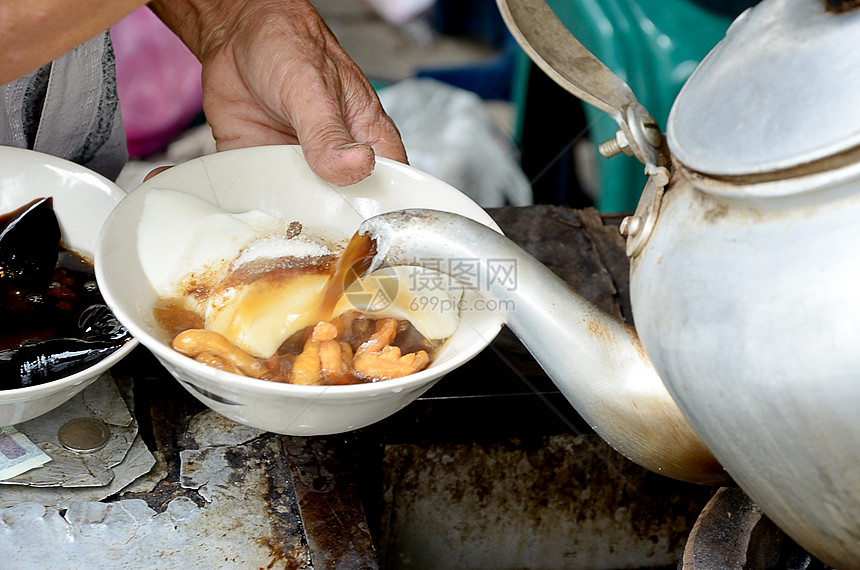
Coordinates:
215	350
376	358
323	357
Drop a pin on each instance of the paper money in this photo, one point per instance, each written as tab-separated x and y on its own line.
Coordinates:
18	454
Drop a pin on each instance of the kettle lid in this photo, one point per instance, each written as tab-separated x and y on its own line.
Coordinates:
780	90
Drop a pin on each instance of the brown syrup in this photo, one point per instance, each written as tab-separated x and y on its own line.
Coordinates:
356	259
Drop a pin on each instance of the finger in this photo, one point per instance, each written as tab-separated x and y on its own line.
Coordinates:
330	148
340	164
368	122
341	145
386	140
155	171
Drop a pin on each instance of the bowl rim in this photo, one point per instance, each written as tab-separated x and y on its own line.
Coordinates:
89	373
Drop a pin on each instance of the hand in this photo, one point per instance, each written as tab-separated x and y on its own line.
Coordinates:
273	73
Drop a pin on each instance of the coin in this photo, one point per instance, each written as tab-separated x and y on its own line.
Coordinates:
84	435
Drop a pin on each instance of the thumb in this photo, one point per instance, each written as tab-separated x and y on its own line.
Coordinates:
338	158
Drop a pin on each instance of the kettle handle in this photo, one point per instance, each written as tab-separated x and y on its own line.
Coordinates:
567	62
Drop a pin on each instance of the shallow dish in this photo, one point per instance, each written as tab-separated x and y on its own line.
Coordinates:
277	180
82	201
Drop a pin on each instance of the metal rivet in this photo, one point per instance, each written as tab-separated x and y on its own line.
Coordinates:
84	435
630	226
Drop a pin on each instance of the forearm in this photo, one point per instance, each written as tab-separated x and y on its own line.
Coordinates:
35	32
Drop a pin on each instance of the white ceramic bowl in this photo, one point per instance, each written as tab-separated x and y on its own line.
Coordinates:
82	201
277	180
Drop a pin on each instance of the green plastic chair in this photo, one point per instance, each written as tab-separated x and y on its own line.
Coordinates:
654	46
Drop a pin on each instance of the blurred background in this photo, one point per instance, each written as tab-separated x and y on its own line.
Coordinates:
471	107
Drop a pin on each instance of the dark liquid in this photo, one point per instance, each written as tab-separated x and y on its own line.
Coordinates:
53	321
44	288
35	311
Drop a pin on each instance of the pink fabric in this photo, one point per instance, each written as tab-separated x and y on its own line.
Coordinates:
158	80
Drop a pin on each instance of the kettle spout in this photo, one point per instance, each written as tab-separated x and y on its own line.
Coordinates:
596	361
